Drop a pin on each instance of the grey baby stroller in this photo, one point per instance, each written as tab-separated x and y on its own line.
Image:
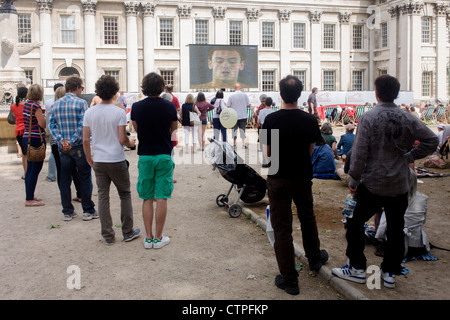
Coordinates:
251	187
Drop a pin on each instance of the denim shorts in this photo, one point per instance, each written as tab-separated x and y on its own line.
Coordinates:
205	121
155	179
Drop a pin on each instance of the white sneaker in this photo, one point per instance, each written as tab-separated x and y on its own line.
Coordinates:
350	273
148	243
161	243
388	279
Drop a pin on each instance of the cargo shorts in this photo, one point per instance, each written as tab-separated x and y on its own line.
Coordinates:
155	179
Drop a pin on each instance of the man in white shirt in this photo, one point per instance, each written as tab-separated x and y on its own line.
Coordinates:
239	102
107	123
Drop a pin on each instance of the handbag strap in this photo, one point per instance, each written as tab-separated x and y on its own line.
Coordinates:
29	129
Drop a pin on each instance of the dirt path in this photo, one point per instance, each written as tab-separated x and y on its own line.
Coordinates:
211	256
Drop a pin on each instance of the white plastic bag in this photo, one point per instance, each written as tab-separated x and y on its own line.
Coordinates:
269	229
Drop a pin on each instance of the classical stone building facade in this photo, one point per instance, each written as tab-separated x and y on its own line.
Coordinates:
335	46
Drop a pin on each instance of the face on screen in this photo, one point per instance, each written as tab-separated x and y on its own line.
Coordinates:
225	65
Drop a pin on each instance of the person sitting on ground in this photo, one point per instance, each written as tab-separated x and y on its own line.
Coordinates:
322	160
346	141
414	112
440	134
327	133
343	172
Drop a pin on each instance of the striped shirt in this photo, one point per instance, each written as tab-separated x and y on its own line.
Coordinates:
66	120
29	109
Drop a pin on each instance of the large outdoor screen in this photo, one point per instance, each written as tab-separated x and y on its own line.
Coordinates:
221	66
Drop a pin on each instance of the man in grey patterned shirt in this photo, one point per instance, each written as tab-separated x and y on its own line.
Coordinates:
382	155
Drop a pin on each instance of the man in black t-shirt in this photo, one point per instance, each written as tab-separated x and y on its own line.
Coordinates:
288	138
154	119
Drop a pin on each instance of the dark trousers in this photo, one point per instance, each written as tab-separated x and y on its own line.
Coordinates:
33	170
281	194
367	205
75	158
75	177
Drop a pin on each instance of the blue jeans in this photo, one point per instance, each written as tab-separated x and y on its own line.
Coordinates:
218	127
75	158
33	170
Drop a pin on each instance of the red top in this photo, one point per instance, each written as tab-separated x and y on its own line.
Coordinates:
18	112
204	107
176	102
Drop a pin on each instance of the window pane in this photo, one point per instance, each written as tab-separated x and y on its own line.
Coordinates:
301	75
267	34
329	80
299	35
201	31
268	80
68	30
328	36
24	28
113	73
426	84
357	36
384	35
167	76
426	30
166	32
110	30
235	33
357	80
29	75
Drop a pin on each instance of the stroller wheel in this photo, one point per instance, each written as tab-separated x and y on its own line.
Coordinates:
235	210
221	200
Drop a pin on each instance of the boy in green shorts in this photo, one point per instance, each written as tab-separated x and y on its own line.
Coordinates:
154	120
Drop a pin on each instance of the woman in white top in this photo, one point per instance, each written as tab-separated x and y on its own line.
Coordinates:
186	108
219	105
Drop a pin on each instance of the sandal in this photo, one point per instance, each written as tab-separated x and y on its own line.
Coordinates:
34	203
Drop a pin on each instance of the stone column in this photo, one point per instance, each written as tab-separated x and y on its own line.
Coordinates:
345	73
45	34
220	26
316	47
149	33
253	27
131	11
416	47
440	9
404	55
90	45
392	27
186	37
285	42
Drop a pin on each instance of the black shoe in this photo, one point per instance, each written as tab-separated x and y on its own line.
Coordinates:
315	265
289	287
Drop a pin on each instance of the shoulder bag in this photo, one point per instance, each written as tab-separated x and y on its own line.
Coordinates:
194	119
35	154
11	117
